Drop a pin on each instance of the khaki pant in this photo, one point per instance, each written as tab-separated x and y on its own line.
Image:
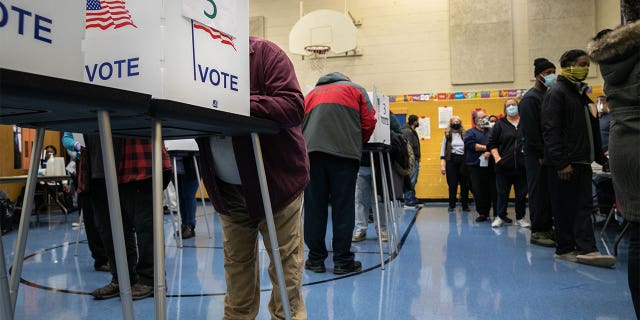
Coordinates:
241	266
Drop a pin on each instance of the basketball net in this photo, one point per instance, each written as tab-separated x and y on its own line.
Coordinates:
317	57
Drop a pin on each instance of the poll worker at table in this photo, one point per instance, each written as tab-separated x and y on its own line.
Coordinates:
231	179
134	172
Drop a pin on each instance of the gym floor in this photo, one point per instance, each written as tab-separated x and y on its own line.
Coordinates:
448	267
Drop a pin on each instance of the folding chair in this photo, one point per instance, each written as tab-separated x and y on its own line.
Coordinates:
625	226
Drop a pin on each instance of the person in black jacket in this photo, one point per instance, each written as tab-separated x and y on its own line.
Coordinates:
505	144
539	203
571	143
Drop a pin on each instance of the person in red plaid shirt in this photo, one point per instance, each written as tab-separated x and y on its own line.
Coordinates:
133	168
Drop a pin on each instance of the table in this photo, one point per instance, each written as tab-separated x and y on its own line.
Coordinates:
43	102
23	178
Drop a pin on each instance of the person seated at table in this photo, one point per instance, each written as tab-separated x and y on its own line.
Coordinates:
59	191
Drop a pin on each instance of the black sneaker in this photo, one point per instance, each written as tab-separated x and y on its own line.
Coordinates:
354	266
315	268
188	231
107	292
506	219
481	218
103	267
141	291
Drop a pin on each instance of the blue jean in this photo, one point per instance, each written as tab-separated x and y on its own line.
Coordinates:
410	195
364	201
187	186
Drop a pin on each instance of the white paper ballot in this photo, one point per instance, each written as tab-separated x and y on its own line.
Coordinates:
484	162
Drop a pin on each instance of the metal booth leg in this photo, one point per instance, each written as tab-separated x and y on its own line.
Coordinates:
264	189
387	204
23	229
115	214
204	205
178	221
160	287
376	207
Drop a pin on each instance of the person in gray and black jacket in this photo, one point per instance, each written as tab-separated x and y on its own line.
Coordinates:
571	143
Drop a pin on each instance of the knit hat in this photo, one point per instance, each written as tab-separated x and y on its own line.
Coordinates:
541	64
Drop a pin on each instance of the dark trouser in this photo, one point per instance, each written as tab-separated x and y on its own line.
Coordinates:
634	265
137	221
483	181
572	205
90	227
539	202
332	180
504	181
456	171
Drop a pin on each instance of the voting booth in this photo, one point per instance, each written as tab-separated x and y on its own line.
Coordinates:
42	36
381	133
191	51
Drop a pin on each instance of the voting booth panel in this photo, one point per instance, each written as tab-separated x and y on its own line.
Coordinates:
42	36
189	51
381	134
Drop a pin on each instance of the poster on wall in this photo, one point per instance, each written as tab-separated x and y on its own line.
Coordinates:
424	128
444	115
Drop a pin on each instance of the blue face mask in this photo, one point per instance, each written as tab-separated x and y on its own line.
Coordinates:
549	80
512	110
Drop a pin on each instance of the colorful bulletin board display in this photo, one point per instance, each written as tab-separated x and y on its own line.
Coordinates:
431	183
191	51
42	36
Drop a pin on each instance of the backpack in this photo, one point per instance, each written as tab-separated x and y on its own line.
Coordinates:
402	155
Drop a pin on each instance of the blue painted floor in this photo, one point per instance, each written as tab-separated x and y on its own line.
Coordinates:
448	267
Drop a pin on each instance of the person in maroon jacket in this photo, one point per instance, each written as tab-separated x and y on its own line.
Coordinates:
231	179
338	118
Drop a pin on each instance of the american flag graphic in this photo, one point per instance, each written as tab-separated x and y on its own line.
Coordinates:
107	14
216	34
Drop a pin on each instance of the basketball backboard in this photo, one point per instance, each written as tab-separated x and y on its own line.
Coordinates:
325	28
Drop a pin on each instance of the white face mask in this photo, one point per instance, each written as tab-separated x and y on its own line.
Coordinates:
491	124
600	106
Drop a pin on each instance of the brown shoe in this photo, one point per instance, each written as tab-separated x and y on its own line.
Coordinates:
141	291
569	256
597	259
107	292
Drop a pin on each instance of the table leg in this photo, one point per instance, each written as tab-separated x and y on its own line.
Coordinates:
204	205
264	189
115	213
6	313
27	207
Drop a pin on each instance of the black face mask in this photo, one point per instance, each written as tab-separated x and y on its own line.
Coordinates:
455	126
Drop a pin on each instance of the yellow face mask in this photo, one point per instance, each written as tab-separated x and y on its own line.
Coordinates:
575	73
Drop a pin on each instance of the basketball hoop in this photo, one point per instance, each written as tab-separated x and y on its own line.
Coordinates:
317	57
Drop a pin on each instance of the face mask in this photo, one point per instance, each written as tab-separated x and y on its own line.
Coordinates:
600	106
491	124
455	126
512	110
575	73
417	125
549	80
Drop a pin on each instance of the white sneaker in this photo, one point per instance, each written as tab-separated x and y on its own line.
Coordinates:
384	236
497	223
360	235
522	223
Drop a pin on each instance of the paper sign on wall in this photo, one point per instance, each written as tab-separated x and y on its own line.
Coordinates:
424	128
444	115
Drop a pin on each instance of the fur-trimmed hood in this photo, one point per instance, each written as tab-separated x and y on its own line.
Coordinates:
616	45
